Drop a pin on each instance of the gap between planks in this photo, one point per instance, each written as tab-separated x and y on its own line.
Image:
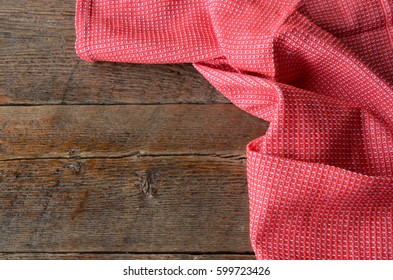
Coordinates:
127	256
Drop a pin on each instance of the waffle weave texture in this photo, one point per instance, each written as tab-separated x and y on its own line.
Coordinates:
320	180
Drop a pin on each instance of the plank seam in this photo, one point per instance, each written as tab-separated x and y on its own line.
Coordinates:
236	157
246	253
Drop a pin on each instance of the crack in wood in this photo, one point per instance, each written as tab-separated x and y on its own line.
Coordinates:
139	154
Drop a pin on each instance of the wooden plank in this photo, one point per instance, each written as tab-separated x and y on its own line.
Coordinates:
133	204
38	65
121	178
126	256
118	130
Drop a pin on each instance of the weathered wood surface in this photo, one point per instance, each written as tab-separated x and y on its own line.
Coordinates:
38	65
112	160
84	256
117	130
130	178
132	204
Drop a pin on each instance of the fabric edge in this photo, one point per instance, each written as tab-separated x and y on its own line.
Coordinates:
82	16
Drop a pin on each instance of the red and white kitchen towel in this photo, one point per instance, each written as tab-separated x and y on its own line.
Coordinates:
321	179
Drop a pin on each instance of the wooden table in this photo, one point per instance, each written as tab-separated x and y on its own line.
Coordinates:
109	160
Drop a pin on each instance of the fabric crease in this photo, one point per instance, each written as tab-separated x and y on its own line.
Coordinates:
320	181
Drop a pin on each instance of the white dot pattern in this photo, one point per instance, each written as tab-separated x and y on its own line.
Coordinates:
321	179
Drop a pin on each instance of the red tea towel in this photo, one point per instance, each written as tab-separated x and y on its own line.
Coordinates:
321	179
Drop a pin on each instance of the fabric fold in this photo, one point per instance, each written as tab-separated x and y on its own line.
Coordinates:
320	180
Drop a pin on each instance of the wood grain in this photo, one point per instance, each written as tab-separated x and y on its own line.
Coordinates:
85	131
125	256
113	160
39	65
133	204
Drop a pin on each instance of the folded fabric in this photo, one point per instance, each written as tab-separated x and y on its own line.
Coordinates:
321	72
